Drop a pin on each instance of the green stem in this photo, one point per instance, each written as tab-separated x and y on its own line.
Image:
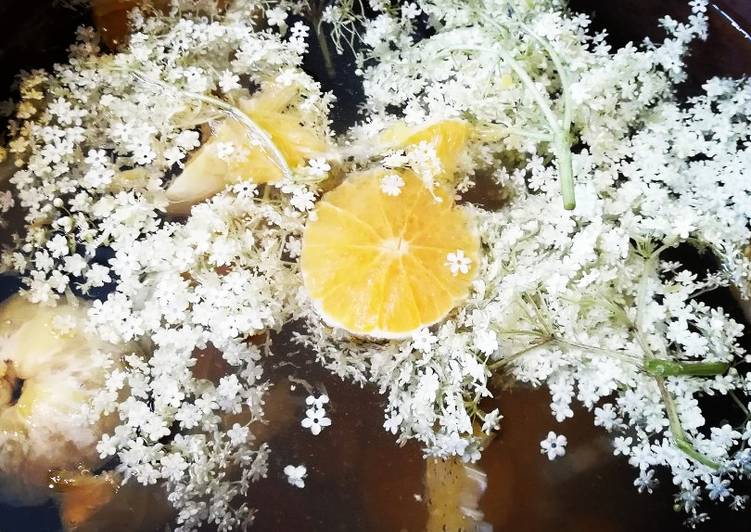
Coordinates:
676	429
511	358
518	332
660	367
624	356
520	132
566	171
561	136
255	130
323	45
562	73
563	144
690	450
740	404
561	129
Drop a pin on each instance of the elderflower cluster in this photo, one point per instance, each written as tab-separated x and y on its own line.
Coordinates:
584	301
95	143
594	302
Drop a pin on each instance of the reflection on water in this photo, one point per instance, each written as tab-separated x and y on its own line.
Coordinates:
358	479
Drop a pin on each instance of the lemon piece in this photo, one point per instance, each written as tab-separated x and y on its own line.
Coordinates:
233	155
448	138
81	494
376	264
55	369
453	494
92	503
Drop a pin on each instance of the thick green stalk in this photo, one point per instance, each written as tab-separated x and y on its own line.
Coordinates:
676	429
561	129
660	367
566	171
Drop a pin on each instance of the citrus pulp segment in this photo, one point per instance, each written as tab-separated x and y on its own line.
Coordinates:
376	265
448	138
233	155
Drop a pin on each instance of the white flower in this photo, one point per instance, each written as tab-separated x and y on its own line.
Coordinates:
622	445
486	341
410	10
392	423
554	445
718	488
98	275
332	14
173	465
646	481
317	402
224	150
300	30
173	155
318	167
238	434
315	420
6	200
606	417
391	184
491	421
296	475
107	446
97	158
457	262
725	436
423	340
58	246
276	17
229	81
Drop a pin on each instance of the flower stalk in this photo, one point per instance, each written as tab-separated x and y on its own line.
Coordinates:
560	129
676	429
323	45
660	367
256	132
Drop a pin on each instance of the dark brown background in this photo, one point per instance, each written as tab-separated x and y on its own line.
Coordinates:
358	478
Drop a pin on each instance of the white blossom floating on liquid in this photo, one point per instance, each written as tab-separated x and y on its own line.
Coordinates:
554	445
315	417
296	475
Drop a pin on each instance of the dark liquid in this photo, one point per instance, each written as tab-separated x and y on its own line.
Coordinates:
358	479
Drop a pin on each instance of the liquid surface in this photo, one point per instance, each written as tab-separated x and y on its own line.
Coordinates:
358	479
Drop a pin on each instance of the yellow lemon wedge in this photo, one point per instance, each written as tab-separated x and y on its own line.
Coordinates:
233	154
386	265
448	138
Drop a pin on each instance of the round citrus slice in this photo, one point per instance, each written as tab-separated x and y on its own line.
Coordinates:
386	265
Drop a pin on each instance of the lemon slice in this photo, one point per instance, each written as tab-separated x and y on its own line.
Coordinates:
234	155
448	138
381	265
50	369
